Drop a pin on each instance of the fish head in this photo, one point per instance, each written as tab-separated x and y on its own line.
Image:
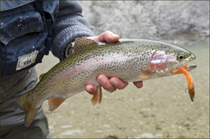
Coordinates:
184	57
163	61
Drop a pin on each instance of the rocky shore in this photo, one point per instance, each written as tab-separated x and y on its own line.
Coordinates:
173	21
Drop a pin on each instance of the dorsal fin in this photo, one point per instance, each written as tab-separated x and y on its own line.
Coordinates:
40	77
81	42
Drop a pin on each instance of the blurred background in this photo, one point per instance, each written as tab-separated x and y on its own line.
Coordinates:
162	108
178	21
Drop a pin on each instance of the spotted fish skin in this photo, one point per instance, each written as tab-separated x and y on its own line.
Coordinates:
127	59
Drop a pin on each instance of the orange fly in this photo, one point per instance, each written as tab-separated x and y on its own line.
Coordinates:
184	71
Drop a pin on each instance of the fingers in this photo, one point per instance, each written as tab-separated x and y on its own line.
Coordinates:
110	84
117	83
107	36
138	84
105	83
90	89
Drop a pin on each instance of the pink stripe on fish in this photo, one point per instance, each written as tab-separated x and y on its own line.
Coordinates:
161	61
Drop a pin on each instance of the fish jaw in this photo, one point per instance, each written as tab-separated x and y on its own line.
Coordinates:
191	67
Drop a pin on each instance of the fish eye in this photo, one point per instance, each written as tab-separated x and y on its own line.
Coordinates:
180	57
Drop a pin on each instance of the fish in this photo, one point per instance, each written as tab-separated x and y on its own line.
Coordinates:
128	59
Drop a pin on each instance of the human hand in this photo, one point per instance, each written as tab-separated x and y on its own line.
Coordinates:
113	83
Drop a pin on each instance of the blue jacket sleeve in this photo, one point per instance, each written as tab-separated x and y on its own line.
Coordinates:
69	25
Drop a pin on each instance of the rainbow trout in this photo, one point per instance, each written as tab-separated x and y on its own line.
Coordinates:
129	60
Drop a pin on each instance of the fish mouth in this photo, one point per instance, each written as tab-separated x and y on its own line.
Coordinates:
187	67
191	67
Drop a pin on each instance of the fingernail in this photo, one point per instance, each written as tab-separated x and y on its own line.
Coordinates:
114	82
92	89
102	80
113	35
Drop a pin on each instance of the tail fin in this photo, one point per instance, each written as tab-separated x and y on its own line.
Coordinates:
26	105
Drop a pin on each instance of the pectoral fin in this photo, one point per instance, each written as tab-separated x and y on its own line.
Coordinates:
96	99
146	74
55	102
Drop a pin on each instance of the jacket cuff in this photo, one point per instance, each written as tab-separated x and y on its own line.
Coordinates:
67	36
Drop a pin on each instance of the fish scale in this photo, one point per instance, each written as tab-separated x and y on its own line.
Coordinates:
127	59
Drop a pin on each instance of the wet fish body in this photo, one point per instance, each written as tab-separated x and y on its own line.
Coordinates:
129	60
